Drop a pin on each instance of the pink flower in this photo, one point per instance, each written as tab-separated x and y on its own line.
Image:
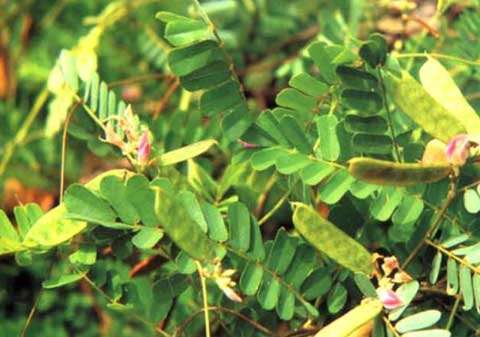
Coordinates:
458	150
389	298
143	148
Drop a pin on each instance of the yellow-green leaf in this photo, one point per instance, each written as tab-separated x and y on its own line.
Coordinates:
185	153
354	319
412	98
331	241
53	228
440	85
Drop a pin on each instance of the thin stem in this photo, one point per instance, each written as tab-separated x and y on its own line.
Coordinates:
445	251
451	318
273	274
466	187
262	199
205	298
136	79
391	327
89	111
111	300
438	56
389	115
461	318
227	56
166	97
64	149
450	196
275	208
24	129
31	313
250	321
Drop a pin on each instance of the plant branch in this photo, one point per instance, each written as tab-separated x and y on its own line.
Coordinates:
64	148
390	326
141	78
163	102
24	129
205	298
450	196
445	251
250	321
453	312
389	116
438	56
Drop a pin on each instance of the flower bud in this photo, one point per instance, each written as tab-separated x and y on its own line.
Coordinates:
143	148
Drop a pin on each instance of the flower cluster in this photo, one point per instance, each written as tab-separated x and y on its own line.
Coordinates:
389	274
223	279
131	138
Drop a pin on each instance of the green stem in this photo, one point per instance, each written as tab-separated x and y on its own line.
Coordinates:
439	56
24	129
275	208
205	298
391	327
111	300
64	149
31	314
389	115
451	318
448	253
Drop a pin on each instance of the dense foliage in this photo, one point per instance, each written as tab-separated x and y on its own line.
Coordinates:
240	168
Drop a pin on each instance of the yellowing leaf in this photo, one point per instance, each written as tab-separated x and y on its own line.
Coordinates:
53	228
440	85
356	318
412	98
185	153
332	241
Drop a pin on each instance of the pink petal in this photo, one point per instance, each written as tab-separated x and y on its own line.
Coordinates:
458	150
143	149
389	298
247	145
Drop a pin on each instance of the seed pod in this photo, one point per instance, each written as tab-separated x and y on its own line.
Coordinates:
384	172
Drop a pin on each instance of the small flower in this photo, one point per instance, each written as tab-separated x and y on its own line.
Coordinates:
129	124
232	295
113	138
223	279
458	150
389	264
401	277
389	298
434	153
143	148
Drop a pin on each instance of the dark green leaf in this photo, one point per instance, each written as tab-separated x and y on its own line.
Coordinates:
365	102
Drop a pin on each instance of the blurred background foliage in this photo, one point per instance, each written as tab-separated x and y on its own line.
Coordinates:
267	41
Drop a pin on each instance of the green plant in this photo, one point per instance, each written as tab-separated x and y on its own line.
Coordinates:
317	210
